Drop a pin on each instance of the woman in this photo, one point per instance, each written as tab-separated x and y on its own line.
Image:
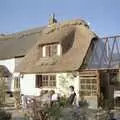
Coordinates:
72	96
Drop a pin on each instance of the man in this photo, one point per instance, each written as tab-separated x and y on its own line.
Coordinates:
72	96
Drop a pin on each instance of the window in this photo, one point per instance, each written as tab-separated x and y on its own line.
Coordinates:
45	81
51	50
88	87
16	82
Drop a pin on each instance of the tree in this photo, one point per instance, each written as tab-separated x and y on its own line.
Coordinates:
3	114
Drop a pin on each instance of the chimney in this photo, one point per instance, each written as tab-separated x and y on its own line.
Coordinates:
52	19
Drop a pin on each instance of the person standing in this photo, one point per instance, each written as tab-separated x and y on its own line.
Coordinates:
72	96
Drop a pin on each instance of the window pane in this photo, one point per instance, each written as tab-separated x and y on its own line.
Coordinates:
52	81
51	77
94	87
54	50
94	81
88	86
82	81
47	51
46	77
43	77
83	87
44	80
54	77
44	83
88	81
38	81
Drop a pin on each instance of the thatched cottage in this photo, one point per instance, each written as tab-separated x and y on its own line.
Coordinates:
55	61
60	55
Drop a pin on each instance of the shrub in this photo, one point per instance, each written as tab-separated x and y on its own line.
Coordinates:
17	99
4	115
62	101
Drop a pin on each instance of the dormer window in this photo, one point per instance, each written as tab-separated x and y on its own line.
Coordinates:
51	50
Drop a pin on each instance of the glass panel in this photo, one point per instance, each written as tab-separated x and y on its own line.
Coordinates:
52	81
94	81
82	81
47	51
88	86
54	49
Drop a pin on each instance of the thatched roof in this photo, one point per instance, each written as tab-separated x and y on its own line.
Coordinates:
4	72
75	38
15	45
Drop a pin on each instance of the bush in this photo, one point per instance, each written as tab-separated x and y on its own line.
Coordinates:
4	115
17	99
62	111
68	113
62	101
54	113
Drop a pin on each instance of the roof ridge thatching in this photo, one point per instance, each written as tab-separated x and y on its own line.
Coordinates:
57	26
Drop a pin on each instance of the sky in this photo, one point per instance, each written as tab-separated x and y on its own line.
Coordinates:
18	15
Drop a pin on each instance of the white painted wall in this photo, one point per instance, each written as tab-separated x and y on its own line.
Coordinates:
9	63
17	61
64	80
28	85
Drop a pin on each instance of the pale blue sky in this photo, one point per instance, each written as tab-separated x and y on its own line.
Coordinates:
17	15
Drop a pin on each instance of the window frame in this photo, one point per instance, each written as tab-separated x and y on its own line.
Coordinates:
45	81
88	87
50	50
